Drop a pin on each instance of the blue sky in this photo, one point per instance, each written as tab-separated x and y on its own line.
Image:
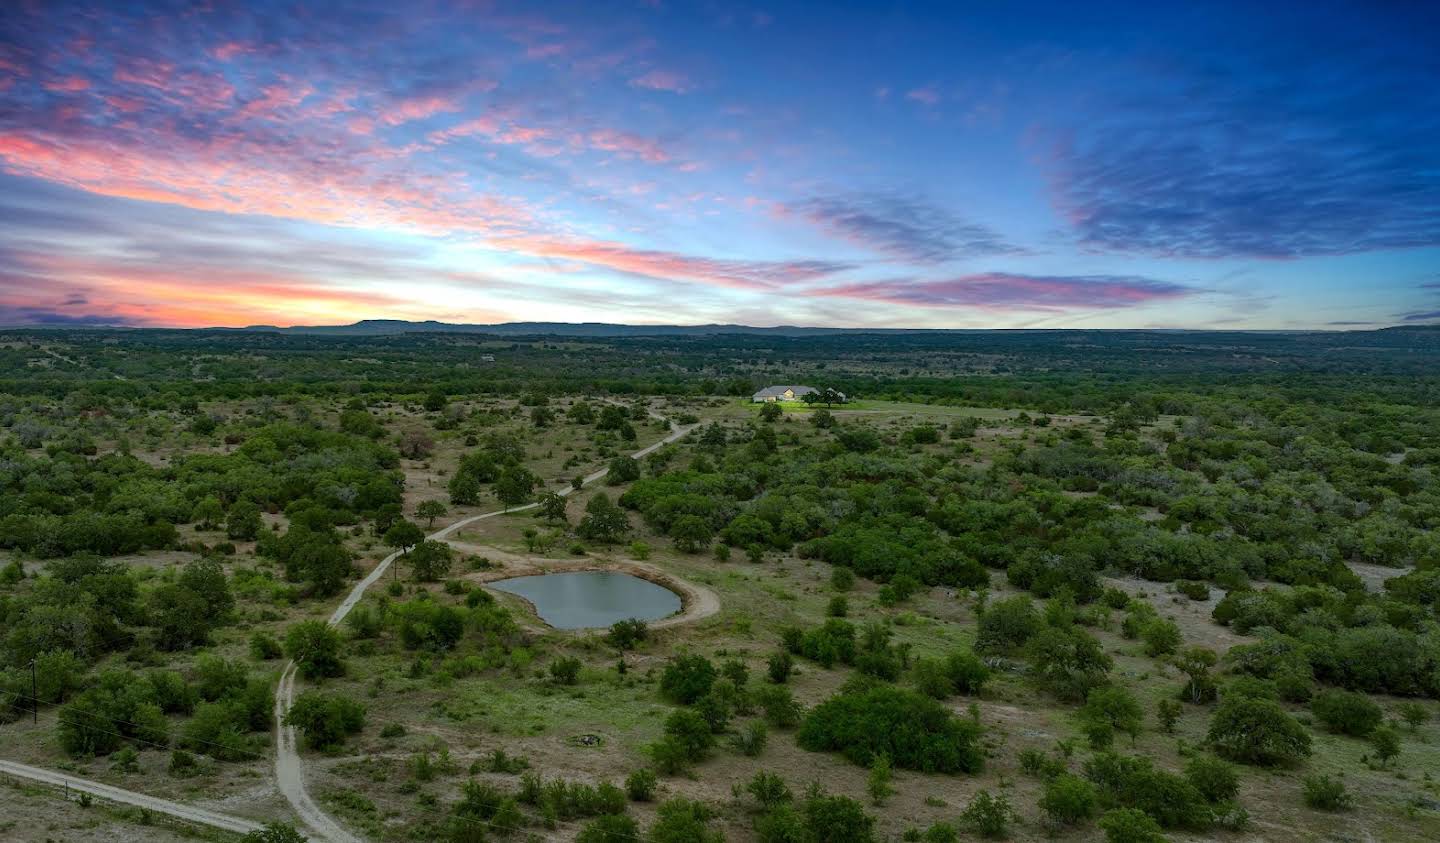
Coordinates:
850	164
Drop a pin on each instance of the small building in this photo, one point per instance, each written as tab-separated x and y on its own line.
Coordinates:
791	393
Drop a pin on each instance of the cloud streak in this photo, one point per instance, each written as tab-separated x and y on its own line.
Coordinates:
1004	291
901	227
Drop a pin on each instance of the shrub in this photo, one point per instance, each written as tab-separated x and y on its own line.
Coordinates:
1257	732
1068	800
325	719
988	816
837	819
916	732
1324	793
1216	780
779	705
779	667
750	741
842	578
1068	662
931	679
1194	589
1041	764
264	647
838	607
1161	637
687	679
610	828
1346	712
1007	625
1386	743
1111	709
1133	782
966	671
640	785
565	671
680	820
1127	825
1168	711
627	634
768	790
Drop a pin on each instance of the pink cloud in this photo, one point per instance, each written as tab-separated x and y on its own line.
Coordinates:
625	143
68	84
275	99
545	51
662	80
418	108
1003	291
231	49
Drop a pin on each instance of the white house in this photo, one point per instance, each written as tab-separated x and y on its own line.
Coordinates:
788	393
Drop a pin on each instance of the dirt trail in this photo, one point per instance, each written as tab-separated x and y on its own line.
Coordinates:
189	813
289	765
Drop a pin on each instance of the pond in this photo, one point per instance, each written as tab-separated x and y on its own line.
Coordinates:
592	599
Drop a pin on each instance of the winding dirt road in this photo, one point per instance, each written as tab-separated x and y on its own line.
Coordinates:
289	767
109	793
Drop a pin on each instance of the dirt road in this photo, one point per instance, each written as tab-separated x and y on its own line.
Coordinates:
189	813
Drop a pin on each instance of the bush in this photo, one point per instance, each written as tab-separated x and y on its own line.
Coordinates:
1068	800
1007	625
1326	794
264	647
750	741
966	671
779	705
1068	662
1216	780
325	719
680	820
1257	732
1346	712
687	679
627	634
837	819
640	785
1133	782
565	671
988	816
1127	825
779	667
1161	637
916	732
610	828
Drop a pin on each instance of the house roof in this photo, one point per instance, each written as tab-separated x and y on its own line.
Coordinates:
777	391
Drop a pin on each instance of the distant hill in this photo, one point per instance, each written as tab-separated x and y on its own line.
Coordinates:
382	327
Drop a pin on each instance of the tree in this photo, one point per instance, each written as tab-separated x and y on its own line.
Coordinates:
687	679
208	513
404	535
1167	711
1259	732
916	732
464	489
243	521
622	469
430	510
822	419
552	507
690	533
988	816
315	647
603	521
1067	661
430	560
1196	662
515	485
181	617
771	411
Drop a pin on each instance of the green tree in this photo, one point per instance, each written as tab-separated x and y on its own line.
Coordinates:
1129	825
552	507
315	648
515	486
603	521
243	521
404	535
430	510
1260	732
1069	800
325	719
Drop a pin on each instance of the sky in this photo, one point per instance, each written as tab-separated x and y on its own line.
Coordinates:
902	164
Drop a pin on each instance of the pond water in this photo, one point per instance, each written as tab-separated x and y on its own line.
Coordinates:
592	599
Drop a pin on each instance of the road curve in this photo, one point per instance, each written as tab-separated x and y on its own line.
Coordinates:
289	769
189	813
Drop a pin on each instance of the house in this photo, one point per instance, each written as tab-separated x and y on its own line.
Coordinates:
793	393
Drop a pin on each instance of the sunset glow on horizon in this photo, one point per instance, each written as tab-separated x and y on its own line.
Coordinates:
856	165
